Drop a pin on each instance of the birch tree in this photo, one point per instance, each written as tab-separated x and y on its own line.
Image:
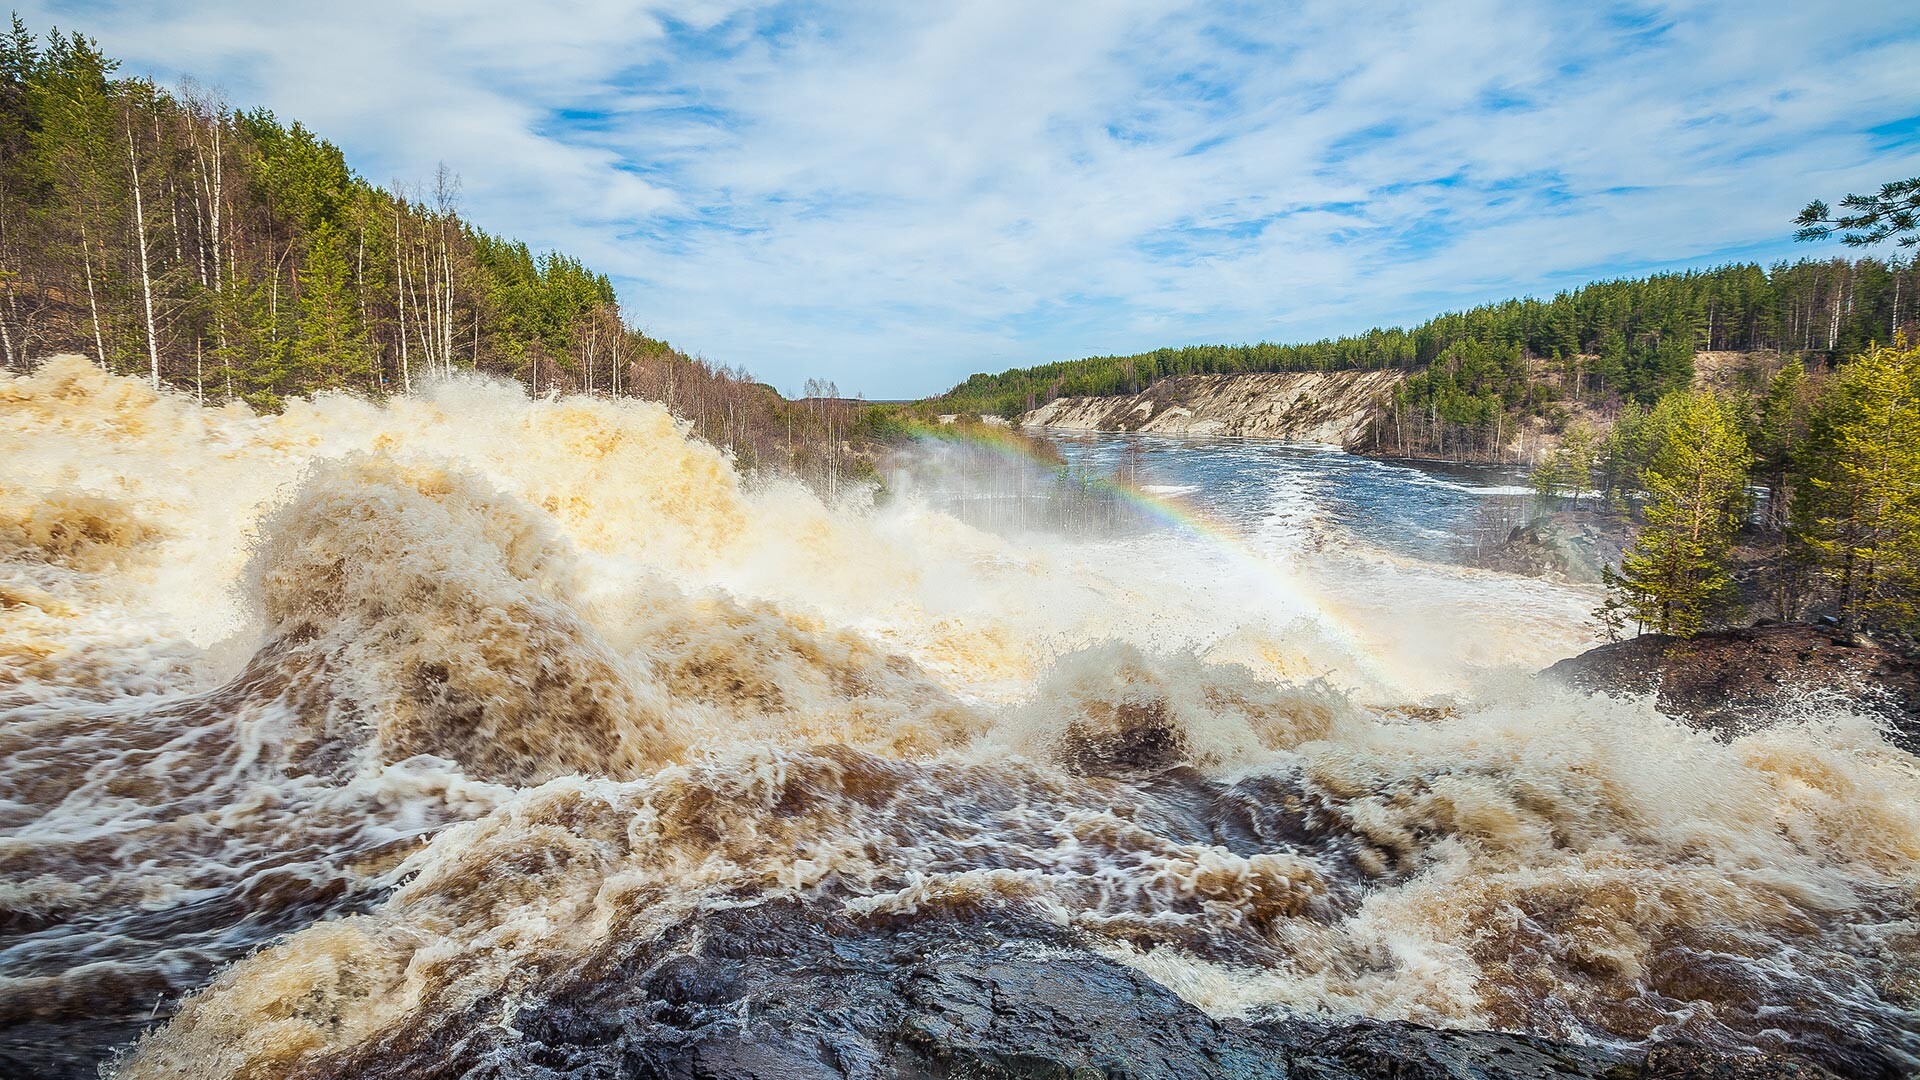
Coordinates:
146	273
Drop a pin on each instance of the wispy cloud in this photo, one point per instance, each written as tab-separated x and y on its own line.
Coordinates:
897	195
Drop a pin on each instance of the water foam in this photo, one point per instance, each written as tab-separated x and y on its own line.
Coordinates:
433	701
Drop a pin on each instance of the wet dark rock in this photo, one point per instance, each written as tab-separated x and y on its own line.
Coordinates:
1367	1048
1731	681
788	991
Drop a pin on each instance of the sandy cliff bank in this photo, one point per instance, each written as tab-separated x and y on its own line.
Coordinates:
1314	406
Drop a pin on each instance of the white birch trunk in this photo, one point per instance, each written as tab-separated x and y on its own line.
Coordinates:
430	329
93	303
360	286
1893	330
593	334
446	306
146	275
400	297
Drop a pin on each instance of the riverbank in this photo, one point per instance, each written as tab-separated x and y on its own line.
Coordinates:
1357	411
1335	408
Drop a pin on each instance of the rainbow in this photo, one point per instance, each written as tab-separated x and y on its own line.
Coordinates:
1173	512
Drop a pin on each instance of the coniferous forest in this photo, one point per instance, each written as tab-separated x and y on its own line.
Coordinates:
1627	339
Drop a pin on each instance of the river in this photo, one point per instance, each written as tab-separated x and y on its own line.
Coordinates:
1285	493
382	739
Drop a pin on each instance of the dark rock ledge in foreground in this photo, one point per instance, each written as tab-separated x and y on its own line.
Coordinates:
1731	681
785	991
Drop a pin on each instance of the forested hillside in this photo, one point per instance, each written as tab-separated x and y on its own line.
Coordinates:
224	252
1480	371
173	236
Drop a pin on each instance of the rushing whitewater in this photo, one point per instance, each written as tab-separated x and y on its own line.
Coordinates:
336	738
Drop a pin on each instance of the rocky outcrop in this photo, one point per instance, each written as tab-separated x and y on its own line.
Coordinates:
800	991
1731	681
1335	407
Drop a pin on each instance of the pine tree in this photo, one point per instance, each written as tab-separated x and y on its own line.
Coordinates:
74	160
1860	508
1892	213
1674	577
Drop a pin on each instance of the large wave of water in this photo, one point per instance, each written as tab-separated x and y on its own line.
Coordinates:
332	735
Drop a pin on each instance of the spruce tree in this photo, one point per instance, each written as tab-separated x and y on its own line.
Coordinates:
1892	213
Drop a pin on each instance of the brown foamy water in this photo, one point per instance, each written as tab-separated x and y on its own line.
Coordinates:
328	736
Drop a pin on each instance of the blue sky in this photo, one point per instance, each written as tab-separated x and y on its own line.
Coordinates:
896	195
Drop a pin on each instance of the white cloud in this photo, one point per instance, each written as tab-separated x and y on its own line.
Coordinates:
895	196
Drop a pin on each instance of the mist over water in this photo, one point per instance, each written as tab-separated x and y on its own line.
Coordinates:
330	738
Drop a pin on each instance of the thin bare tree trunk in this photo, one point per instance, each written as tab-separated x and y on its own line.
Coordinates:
6	336
446	188
430	331
1833	325
593	332
214	203
1893	331
400	296
93	304
210	246
146	276
200	238
446	307
360	286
